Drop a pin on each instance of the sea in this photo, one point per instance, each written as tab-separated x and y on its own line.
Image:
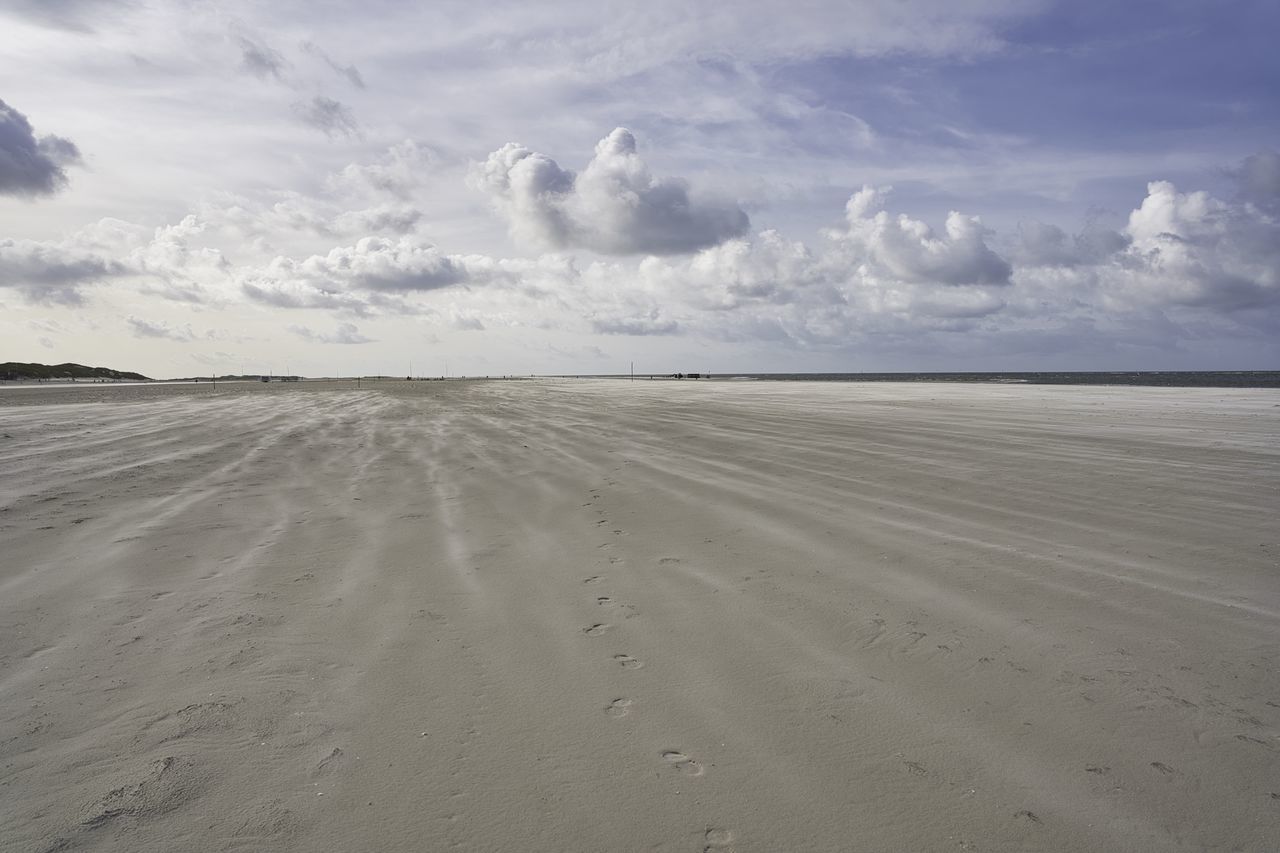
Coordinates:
1160	378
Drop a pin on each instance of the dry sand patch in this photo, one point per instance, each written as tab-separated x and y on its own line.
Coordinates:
557	615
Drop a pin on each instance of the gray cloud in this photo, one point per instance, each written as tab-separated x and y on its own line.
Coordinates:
345	333
1259	180
291	294
140	328
189	292
349	72
614	207
385	218
259	59
51	273
1040	244
333	118
31	166
465	322
651	323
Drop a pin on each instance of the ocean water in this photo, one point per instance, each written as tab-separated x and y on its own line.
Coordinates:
1171	379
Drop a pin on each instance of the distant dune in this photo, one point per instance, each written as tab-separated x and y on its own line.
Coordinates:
15	370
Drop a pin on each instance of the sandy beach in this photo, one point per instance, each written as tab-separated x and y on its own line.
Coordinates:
596	615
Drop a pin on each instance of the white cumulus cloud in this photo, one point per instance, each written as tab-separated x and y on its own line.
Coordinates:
616	206
1191	249
906	249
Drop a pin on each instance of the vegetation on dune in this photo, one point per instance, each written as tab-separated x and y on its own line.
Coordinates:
16	370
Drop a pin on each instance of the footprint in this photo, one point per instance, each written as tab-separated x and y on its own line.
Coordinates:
619	707
332	761
628	662
1028	815
682	762
592	579
604	600
915	768
666	561
718	841
597	629
1163	768
166	785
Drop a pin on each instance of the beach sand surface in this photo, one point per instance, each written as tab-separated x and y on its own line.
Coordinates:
602	615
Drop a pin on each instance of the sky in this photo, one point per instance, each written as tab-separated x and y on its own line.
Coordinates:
192	187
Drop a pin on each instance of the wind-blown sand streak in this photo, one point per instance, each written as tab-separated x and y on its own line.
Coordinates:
639	616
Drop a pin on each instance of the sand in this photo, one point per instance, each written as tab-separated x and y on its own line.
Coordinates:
659	616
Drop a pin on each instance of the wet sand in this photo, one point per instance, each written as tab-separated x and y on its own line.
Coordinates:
604	615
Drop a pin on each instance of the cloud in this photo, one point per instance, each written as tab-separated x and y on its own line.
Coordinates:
265	288
375	272
52	273
345	333
908	250
252	218
259	59
651	323
376	263
169	257
398	172
71	15
464	321
395	219
349	72
333	118
1194	250
31	166
146	329
767	269
1041	244
1258	178
160	258
615	207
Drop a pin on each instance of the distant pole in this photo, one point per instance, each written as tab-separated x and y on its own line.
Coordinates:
633	371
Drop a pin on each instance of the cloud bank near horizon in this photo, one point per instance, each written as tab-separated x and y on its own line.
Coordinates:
1183	264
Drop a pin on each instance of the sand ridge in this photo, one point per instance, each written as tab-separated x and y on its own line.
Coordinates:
559	615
